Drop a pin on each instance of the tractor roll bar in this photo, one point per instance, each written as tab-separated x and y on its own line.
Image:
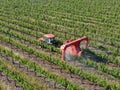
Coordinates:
75	42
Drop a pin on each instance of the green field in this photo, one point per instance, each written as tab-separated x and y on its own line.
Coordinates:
33	65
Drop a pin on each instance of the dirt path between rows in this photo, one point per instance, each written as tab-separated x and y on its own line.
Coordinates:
10	82
49	83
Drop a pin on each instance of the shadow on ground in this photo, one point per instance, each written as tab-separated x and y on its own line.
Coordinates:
88	54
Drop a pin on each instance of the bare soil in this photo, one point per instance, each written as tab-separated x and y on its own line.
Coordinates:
10	82
48	83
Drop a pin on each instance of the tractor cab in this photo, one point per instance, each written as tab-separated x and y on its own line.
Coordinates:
48	38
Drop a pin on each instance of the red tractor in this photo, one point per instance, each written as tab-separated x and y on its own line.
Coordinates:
70	49
48	38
